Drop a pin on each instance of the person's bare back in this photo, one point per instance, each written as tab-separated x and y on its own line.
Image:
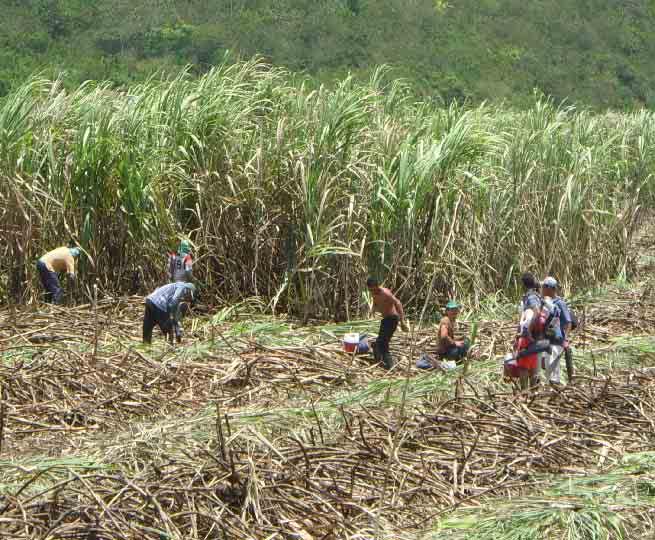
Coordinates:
391	309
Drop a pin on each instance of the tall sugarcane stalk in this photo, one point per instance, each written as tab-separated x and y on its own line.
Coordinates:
368	179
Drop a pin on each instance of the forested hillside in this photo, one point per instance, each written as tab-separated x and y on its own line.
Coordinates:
593	52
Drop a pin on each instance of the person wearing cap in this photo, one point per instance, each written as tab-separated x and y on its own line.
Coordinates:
392	312
180	264
58	261
549	288
448	347
165	308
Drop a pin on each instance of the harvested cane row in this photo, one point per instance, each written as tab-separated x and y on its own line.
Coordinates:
74	380
55	391
68	372
377	469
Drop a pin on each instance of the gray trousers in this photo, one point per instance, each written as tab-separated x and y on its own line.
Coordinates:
549	364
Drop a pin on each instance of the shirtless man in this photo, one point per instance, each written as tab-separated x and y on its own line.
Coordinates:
448	347
392	313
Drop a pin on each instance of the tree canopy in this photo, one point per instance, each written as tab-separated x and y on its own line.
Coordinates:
593	52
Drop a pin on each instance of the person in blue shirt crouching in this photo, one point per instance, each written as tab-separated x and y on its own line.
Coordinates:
165	308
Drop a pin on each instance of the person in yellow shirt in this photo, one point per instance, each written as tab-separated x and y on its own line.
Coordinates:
57	261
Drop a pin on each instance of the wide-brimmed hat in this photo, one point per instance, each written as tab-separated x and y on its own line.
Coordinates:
452	304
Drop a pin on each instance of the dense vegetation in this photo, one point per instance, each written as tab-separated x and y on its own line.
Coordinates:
592	52
296	195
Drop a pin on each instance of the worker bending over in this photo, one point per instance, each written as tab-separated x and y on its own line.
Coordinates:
165	308
58	261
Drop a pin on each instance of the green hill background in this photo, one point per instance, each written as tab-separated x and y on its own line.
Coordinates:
597	53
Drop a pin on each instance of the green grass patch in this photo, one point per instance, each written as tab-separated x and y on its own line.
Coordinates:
44	471
601	506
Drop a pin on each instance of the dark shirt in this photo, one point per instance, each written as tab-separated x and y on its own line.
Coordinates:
564	313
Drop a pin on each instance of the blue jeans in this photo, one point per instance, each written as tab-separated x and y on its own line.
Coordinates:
53	291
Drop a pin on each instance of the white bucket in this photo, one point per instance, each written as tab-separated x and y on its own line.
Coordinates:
350	342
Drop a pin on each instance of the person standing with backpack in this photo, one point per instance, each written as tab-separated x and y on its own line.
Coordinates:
566	322
180	264
549	321
525	354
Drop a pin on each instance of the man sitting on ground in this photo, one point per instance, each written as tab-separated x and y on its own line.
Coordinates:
448	347
164	308
60	260
529	309
392	313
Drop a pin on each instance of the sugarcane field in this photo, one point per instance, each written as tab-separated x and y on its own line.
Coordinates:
237	307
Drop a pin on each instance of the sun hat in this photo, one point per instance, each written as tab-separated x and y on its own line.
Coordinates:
452	304
550	282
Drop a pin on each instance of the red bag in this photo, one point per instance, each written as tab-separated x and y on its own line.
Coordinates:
530	361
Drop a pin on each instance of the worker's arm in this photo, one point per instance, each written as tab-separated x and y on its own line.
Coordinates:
178	295
175	300
70	267
372	308
401	314
565	316
399	307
